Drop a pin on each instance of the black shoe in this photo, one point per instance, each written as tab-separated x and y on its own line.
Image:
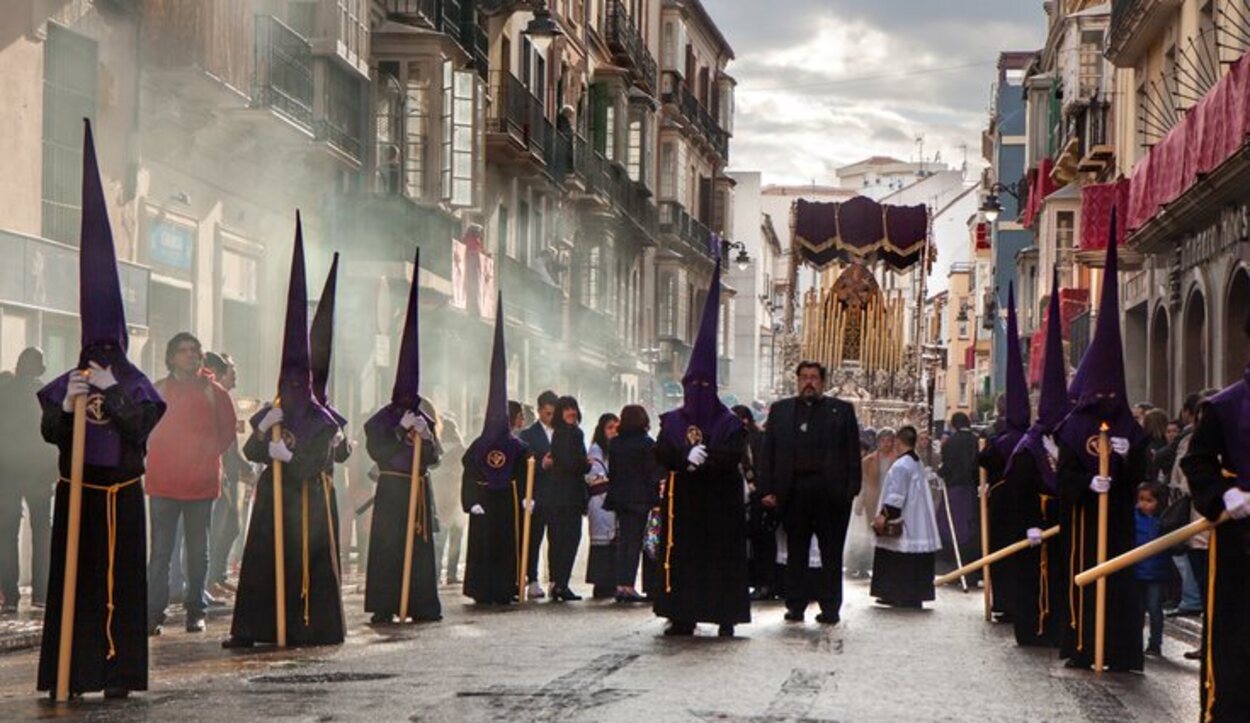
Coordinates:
196	624
1194	654
116	693
828	619
676	629
794	616
725	631
1180	613
233	642
1075	664
630	597
564	595
381	619
1154	650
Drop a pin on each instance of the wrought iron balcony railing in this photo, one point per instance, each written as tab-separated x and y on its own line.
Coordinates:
283	78
675	221
628	46
678	94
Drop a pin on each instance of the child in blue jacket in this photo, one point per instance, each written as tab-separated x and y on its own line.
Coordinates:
1151	574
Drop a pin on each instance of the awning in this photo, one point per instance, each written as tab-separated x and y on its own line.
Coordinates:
859	230
1097	201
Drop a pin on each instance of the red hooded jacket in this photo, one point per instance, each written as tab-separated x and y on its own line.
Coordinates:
184	451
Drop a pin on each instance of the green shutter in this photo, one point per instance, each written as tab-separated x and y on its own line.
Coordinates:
599	101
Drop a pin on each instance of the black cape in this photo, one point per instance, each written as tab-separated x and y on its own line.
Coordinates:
91	667
707	578
388	534
491	563
1079	540
308	524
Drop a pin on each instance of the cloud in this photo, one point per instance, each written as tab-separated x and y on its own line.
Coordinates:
824	83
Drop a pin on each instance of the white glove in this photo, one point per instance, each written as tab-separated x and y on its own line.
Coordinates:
1119	445
1237	503
101	377
1100	485
76	387
476	510
278	452
697	456
529	505
422	427
409	420
339	438
272	417
1035	536
1052	447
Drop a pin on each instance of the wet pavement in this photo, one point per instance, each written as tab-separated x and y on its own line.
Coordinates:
598	661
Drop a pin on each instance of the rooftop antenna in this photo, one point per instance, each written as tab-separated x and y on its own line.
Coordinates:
920	151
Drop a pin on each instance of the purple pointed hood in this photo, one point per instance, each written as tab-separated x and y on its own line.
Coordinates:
103	317
1017	393
1052	405
303	415
496	451
406	392
321	340
702	416
1099	392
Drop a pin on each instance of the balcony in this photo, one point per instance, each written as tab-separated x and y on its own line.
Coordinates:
677	94
628	48
457	19
212	38
341	121
517	129
283	77
675	222
1135	25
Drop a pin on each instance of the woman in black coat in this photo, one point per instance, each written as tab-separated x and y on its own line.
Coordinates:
570	464
633	489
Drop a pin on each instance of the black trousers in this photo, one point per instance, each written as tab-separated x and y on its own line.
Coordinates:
39	505
538	525
631	527
814	509
564	536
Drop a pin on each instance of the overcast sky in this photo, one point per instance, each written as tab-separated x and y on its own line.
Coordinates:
825	83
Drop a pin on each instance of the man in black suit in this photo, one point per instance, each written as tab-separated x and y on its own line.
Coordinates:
538	437
810	472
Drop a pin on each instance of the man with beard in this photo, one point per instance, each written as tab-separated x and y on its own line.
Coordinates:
811	473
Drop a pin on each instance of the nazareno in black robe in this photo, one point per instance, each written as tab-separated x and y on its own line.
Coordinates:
707	581
91	667
388	534
1037	598
1002	577
492	561
314	598
1078	514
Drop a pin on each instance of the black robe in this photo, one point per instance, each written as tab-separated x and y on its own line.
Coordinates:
389	533
492	561
707	578
91	668
1224	692
1001	524
1079	542
1037	598
308	524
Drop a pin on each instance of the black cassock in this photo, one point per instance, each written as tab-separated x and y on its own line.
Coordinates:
314	598
388	535
1037	598
491	564
91	667
706	580
1002	577
1078	515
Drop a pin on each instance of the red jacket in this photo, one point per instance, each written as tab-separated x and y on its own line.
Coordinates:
184	451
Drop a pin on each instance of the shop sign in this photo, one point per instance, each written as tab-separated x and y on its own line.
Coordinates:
1231	228
170	245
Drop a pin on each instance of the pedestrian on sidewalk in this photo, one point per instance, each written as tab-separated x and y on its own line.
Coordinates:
538	438
184	476
235	471
568	497
960	472
1152	573
632	491
907	531
601	567
810	472
29	473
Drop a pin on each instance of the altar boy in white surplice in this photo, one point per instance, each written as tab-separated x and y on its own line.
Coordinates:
907	531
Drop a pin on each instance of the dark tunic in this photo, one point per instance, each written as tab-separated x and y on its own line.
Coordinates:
91	667
492	560
314	617
708	557
1223	423
1079	541
1002	526
1036	598
388	534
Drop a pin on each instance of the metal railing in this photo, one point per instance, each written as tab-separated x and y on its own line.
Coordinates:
675	221
342	123
283	78
678	94
509	111
628	45
458	19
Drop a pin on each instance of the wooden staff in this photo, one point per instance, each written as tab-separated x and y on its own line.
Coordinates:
987	586
525	529
69	592
1100	589
410	533
279	546
1150	549
839	336
993	557
863	334
668	548
950	522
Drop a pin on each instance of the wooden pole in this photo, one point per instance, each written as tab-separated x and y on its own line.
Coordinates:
410	531
668	548
1100	588
950	522
525	530
279	544
987	586
993	557
69	591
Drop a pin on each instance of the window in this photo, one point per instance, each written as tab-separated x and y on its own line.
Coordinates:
590	278
458	163
666	306
634	161
609	275
523	233
1065	226
668	170
540	235
505	239
609	130
416	118
388	128
239	279
69	95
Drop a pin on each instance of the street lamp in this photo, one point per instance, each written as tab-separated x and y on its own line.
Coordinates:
542	28
991	208
742	260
